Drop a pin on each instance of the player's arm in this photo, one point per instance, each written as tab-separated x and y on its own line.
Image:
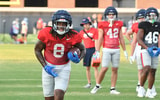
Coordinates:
128	35
82	49
38	52
100	39
133	44
140	35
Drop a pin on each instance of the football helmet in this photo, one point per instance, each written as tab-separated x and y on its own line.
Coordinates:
110	10
152	14
140	13
61	16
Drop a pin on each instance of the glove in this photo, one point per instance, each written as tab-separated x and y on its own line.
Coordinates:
150	51
73	57
50	70
131	59
126	55
157	52
96	55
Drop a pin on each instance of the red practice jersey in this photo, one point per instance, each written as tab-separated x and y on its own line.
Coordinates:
135	27
88	43
56	49
111	33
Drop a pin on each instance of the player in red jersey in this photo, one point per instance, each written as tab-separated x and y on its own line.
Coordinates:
110	33
56	41
135	48
90	38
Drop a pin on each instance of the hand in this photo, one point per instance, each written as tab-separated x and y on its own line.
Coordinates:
50	70
157	52
126	55
150	51
131	59
96	55
73	57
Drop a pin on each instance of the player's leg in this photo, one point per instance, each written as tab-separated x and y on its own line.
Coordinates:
151	78
106	58
140	67
115	59
146	63
87	64
62	81
88	75
48	85
96	74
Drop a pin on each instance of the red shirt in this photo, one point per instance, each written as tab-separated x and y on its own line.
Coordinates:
92	32
56	49
111	33
135	27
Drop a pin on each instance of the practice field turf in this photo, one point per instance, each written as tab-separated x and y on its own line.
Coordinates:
20	77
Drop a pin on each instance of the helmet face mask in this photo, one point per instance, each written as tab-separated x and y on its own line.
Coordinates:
61	26
111	17
151	17
61	22
152	14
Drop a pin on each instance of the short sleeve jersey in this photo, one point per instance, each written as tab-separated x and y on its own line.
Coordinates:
111	33
56	49
88	42
135	27
151	33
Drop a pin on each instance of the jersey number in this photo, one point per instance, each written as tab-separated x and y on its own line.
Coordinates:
114	34
152	38
58	50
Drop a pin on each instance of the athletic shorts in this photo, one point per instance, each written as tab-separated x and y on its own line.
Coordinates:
146	59
60	82
110	55
88	57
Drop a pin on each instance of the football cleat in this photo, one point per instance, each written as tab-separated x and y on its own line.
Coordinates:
95	89
141	92
137	88
154	93
87	86
149	94
114	92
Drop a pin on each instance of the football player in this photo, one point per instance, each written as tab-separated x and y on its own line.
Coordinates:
149	39
135	48
110	33
56	41
90	38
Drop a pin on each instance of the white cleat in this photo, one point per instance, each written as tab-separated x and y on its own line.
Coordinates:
87	86
137	87
114	92
95	89
149	94
154	93
141	92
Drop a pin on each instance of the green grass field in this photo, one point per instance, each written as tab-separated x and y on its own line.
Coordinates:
20	76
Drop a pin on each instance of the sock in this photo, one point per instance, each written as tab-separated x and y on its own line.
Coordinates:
112	88
97	85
